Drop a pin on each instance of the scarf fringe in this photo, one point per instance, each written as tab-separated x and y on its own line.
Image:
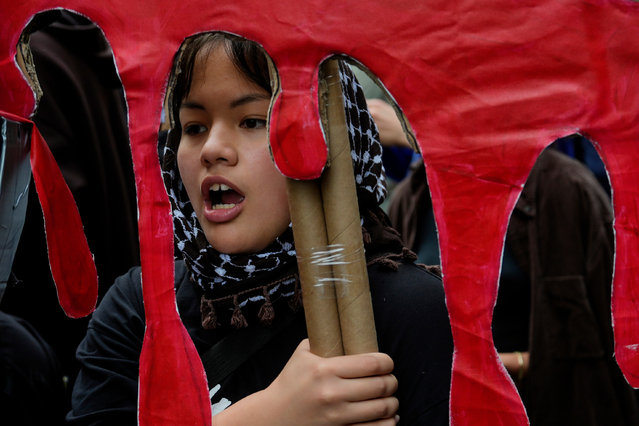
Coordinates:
209	317
238	320
433	269
295	303
391	261
366	236
408	254
266	313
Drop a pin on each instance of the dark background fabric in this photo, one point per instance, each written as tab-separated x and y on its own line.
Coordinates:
31	385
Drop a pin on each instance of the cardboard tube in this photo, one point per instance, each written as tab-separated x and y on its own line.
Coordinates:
309	231
343	227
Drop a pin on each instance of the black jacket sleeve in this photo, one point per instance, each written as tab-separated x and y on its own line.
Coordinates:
414	329
105	392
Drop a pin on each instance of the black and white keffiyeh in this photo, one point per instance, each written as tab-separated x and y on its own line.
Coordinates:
232	281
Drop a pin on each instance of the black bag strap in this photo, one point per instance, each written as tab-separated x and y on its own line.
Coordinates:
233	350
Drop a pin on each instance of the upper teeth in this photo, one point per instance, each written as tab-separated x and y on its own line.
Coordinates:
219	187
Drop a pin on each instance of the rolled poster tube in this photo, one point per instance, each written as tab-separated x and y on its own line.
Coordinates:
343	228
309	231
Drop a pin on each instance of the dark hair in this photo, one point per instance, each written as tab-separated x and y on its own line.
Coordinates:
248	56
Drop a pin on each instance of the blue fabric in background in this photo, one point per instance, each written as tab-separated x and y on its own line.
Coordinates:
580	148
397	161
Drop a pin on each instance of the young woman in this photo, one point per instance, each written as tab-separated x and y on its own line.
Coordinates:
237	280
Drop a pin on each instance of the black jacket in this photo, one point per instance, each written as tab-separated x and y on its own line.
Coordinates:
410	316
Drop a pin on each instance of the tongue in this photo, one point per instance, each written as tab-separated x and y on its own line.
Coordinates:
231	197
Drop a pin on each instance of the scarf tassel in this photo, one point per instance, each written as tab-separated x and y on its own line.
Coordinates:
388	263
238	320
209	316
266	313
366	236
408	254
295	303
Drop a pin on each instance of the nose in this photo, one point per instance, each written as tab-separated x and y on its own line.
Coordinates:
219	147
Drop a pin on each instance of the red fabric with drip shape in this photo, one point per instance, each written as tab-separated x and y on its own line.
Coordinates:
486	85
173	389
71	261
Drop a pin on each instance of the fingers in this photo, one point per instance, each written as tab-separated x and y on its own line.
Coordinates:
391	421
348	389
363	365
370	387
380	411
356	390
349	366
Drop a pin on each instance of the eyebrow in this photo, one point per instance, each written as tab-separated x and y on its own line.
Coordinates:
191	105
251	97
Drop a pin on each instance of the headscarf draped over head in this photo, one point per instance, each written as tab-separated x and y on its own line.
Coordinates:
231	282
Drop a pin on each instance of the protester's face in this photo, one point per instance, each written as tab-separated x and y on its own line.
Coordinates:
238	195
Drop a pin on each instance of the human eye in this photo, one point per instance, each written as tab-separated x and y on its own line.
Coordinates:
253	123
193	129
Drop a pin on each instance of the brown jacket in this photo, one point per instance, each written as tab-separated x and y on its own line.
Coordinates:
560	233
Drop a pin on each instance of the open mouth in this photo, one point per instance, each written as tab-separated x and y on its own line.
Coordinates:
222	196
